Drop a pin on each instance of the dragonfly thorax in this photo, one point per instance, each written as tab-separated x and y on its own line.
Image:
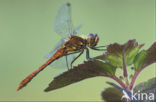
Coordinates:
92	39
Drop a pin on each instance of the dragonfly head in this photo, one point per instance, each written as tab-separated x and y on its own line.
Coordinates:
92	40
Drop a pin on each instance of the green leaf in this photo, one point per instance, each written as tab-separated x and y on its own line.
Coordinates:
115	52
131	55
108	69
140	59
145	58
83	71
114	60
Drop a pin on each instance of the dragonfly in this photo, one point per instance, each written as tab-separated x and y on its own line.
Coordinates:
70	43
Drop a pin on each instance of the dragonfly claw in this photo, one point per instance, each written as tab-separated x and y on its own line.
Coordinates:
91	59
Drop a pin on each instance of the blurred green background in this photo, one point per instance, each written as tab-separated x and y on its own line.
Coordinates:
26	35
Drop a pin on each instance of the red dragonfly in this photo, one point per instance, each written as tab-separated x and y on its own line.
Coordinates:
69	45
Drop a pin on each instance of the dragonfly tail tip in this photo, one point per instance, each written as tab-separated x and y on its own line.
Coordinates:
19	88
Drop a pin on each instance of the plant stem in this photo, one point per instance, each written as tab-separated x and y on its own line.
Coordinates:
135	76
133	79
125	73
118	81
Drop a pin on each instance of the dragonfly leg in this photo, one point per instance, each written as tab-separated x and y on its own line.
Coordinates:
67	57
76	58
95	48
87	54
73	52
67	62
100	46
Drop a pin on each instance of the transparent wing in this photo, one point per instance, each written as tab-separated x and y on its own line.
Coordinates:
61	62
51	53
77	29
63	24
64	27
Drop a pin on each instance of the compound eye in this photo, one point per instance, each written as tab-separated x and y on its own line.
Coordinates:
93	39
96	39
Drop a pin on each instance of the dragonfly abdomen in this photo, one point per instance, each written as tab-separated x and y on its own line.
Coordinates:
61	52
